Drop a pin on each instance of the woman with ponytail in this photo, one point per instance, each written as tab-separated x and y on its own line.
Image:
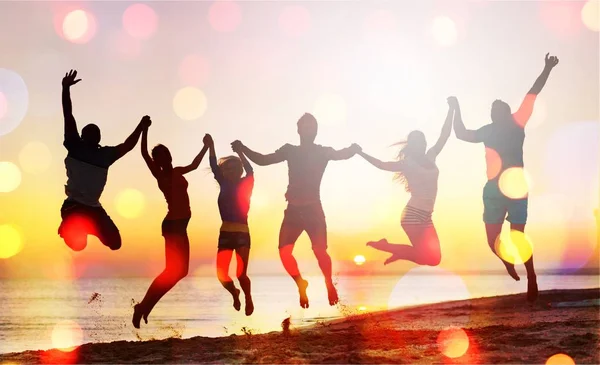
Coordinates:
415	167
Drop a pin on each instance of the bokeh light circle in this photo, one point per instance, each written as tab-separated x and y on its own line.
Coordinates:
590	15
359	260
422	285
453	342
444	31
14	100
514	183
67	336
330	109
224	16
10	241
130	203
194	70
140	21
79	26
514	247
295	20
189	103
35	157
10	177
560	359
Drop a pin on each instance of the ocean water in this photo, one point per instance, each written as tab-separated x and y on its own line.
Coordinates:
32	311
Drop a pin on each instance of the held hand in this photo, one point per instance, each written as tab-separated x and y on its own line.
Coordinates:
452	102
550	61
356	148
237	146
146	122
69	79
208	140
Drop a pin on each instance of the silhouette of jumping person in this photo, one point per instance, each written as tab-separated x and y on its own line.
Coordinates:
234	235
306	165
87	166
503	139
416	168
174	227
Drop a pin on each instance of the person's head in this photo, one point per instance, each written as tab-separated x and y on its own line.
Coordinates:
162	156
307	128
231	168
500	111
415	145
90	134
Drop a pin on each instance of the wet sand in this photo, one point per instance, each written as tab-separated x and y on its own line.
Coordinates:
500	330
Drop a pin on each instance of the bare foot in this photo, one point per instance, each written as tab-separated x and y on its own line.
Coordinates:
137	316
236	300
302	285
391	259
249	305
510	268
332	295
381	245
532	289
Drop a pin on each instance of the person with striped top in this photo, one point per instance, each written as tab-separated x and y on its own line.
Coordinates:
416	168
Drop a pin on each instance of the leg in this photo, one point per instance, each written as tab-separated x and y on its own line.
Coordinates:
288	235
494	212
242	256
177	252
425	248
517	216
317	232
107	231
223	261
76	224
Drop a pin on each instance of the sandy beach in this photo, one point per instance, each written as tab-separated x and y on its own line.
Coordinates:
501	330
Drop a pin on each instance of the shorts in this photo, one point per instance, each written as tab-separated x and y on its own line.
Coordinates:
415	217
80	220
497	207
309	218
233	240
174	227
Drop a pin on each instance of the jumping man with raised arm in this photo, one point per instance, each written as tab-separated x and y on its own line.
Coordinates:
306	164
503	139
87	166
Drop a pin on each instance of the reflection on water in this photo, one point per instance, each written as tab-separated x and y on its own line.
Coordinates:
199	306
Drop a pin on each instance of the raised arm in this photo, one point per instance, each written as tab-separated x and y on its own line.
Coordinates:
196	162
258	158
394	166
245	163
526	109
345	153
212	158
444	135
71	133
133	138
144	146
461	132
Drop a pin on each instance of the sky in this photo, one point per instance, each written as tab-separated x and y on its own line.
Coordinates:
371	72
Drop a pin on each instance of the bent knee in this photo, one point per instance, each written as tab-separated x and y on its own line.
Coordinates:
432	259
